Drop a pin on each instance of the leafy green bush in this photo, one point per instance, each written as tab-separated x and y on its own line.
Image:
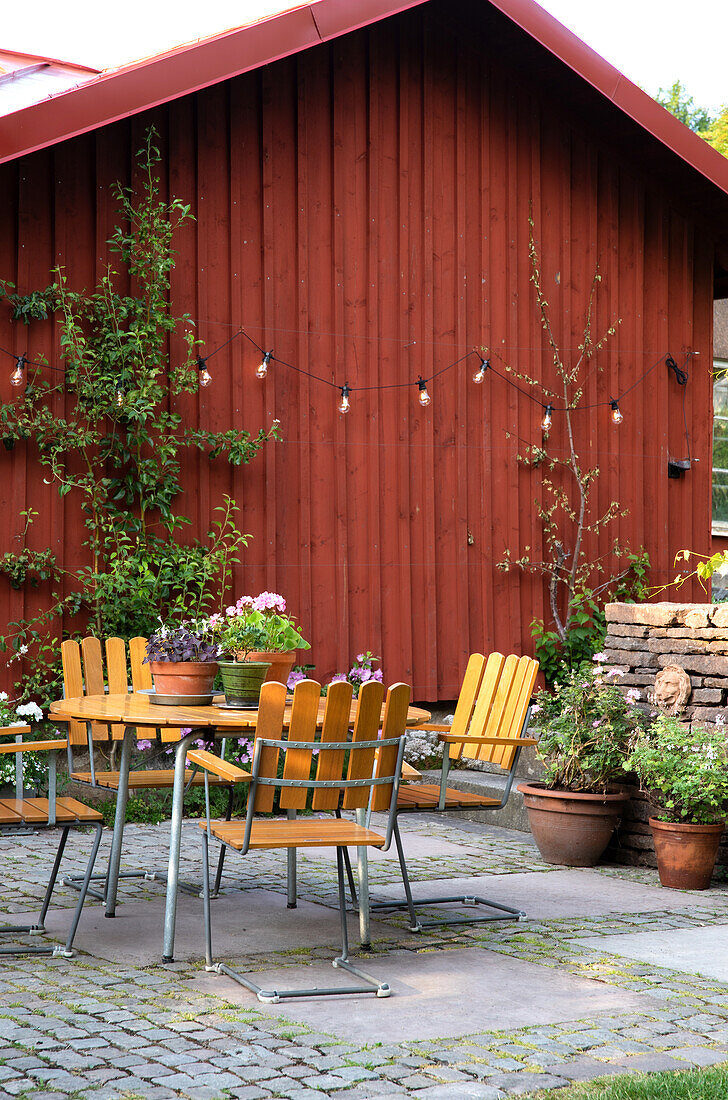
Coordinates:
586	725
683	769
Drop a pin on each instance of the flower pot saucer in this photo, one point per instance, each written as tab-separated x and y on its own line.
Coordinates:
221	702
162	700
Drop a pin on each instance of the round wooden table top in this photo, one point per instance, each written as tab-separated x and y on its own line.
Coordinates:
139	710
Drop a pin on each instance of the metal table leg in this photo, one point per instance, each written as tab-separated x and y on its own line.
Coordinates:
362	861
175	839
112	877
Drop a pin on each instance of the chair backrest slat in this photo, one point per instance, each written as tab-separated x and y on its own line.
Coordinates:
335	728
304	714
466	700
501	706
141	679
93	676
141	676
394	725
366	728
117	677
73	687
270	726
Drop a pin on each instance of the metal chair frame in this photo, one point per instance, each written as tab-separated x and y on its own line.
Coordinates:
65	951
326	826
512	745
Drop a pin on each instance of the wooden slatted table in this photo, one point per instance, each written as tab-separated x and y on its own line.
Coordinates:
139	712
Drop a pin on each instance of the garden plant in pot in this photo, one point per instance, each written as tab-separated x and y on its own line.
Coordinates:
684	773
183	659
257	639
586	725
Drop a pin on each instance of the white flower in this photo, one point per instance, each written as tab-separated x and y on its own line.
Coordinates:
3	696
30	710
600	658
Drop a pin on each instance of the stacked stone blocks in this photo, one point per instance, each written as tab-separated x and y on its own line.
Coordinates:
643	638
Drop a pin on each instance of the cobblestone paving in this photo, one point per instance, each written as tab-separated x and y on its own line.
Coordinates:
89	1028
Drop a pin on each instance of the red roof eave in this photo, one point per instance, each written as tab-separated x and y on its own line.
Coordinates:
119	94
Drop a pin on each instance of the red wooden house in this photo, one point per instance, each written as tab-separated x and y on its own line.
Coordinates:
361	172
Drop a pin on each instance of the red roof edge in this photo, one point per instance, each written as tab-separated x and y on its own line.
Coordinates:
638	105
124	92
190	68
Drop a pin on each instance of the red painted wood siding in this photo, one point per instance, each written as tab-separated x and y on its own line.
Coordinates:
363	210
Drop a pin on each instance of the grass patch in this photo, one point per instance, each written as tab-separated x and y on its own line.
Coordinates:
699	1084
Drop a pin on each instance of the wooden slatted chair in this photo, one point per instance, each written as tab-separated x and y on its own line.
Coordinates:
347	778
84	674
489	724
46	813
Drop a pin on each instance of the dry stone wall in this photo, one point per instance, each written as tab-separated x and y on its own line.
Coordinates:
642	639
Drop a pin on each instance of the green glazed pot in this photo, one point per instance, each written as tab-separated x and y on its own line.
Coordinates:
242	680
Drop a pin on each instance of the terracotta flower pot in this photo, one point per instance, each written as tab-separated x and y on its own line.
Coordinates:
280	664
571	828
685	853
242	681
183	677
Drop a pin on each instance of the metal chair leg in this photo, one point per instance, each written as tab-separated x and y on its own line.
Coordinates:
67	950
503	912
273	996
206	901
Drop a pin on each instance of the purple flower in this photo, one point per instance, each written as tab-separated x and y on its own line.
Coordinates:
295	678
600	658
144	744
337	678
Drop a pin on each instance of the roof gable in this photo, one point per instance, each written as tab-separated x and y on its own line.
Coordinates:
115	95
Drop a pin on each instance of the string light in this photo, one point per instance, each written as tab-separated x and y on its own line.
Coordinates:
120	395
424	395
344	404
16	378
617	417
205	376
262	370
547	418
479	375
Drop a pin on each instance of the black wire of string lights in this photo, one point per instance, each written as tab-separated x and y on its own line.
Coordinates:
17	379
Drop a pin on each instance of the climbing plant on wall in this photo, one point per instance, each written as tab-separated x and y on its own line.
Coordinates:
104	427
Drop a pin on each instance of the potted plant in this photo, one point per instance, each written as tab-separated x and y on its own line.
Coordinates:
586	725
256	631
183	659
684	772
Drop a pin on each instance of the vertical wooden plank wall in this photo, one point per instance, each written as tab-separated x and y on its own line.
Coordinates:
363	211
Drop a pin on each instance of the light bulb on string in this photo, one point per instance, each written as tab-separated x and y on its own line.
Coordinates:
547	418
120	395
344	404
262	370
617	416
480	373
425	398
16	378
205	376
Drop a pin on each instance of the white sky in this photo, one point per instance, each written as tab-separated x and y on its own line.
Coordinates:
654	42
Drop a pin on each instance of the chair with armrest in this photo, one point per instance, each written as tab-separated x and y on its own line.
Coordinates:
46	813
348	776
84	674
489	725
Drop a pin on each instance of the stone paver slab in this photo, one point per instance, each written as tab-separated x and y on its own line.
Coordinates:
691	950
439	995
